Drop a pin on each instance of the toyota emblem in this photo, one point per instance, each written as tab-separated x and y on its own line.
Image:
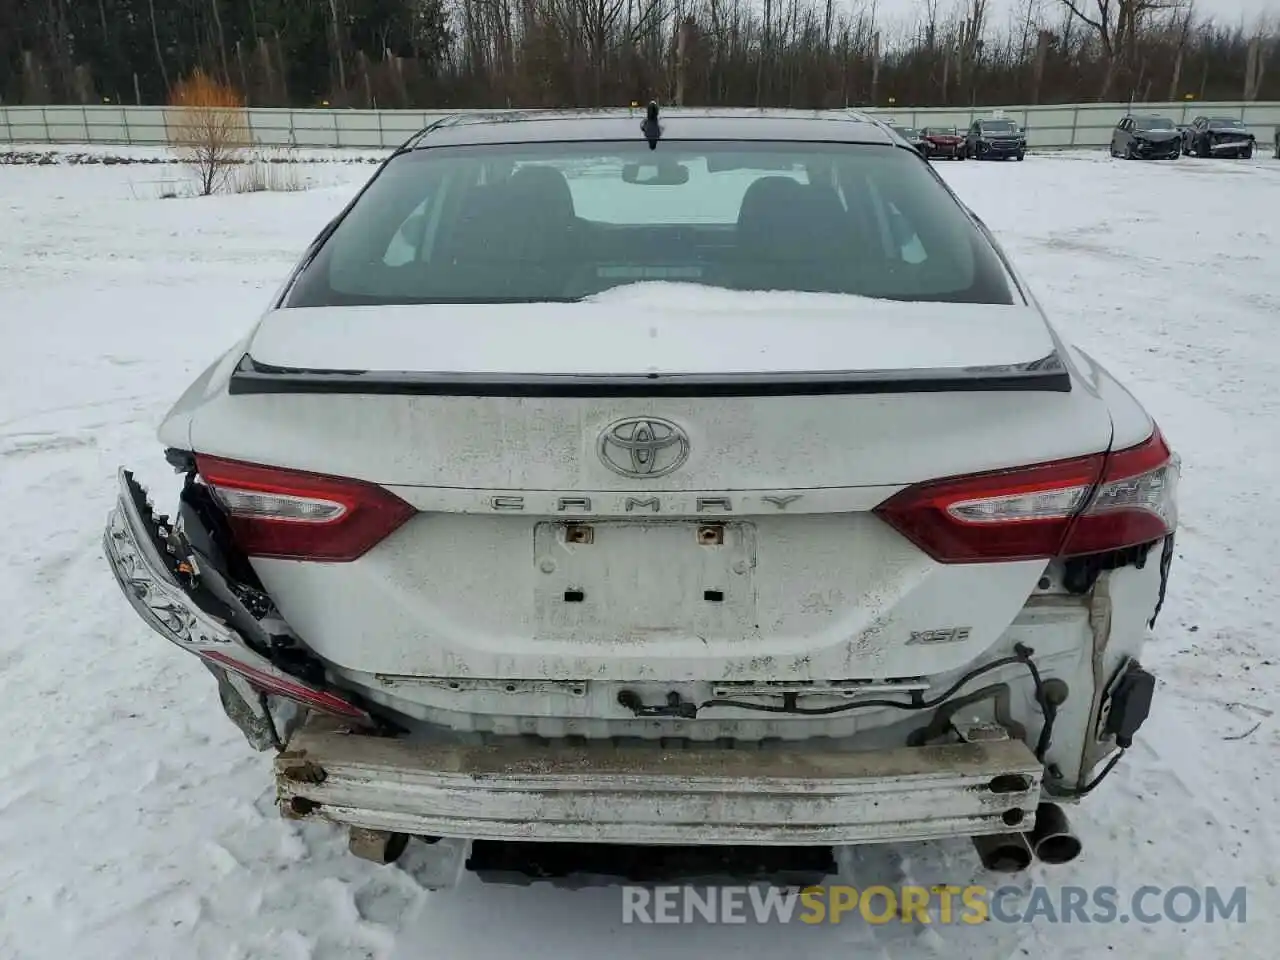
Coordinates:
643	447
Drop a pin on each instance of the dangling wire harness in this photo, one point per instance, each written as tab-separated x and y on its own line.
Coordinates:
687	710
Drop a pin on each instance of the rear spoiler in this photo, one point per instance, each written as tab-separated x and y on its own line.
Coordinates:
1047	375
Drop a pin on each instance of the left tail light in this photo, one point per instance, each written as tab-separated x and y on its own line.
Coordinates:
296	515
281	685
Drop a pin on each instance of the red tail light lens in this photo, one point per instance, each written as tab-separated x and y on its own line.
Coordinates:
1006	515
1067	507
290	689
295	515
1136	503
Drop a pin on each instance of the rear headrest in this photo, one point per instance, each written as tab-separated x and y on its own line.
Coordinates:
542	192
789	219
768	198
483	220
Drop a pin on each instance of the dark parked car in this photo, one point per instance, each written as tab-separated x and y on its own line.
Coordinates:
1218	137
912	136
995	140
1278	143
943	142
1146	138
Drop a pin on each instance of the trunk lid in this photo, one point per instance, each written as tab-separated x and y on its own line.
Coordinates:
774	390
747	551
658	328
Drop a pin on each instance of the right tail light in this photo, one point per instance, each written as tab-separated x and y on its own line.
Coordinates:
1090	504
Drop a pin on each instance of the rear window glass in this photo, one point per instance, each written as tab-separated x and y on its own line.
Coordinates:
560	222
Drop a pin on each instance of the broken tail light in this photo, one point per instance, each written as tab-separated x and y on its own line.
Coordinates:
296	515
1136	502
1083	505
278	684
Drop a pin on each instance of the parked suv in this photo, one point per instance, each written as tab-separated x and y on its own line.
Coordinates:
699	478
995	140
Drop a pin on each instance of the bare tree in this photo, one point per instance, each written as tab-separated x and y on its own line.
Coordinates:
1182	28
968	40
1117	24
493	53
337	49
208	128
1256	64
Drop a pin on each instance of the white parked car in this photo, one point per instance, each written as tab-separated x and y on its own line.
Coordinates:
700	477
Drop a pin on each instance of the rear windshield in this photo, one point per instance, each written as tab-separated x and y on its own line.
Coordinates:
1152	123
559	222
1226	123
999	126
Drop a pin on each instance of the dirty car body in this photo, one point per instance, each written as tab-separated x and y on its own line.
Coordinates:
708	478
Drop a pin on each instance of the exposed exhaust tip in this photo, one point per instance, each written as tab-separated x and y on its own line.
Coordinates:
1004	852
1052	838
1060	849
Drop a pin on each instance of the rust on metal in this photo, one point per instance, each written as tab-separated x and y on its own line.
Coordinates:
711	534
304	772
579	533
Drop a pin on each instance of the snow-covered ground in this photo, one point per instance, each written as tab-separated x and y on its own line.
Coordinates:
136	823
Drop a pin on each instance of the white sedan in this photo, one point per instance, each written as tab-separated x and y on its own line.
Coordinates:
698	477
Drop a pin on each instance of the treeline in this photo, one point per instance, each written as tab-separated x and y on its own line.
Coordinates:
485	53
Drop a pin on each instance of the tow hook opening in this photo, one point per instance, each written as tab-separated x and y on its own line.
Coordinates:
299	807
1010	783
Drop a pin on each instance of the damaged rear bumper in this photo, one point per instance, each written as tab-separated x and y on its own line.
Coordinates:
185	599
514	789
604	793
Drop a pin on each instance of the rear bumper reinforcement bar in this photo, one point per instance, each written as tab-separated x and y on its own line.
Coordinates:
650	795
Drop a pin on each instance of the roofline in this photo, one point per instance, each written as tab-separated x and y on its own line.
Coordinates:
419	138
416	139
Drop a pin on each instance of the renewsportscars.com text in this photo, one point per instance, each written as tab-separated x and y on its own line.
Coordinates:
933	905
